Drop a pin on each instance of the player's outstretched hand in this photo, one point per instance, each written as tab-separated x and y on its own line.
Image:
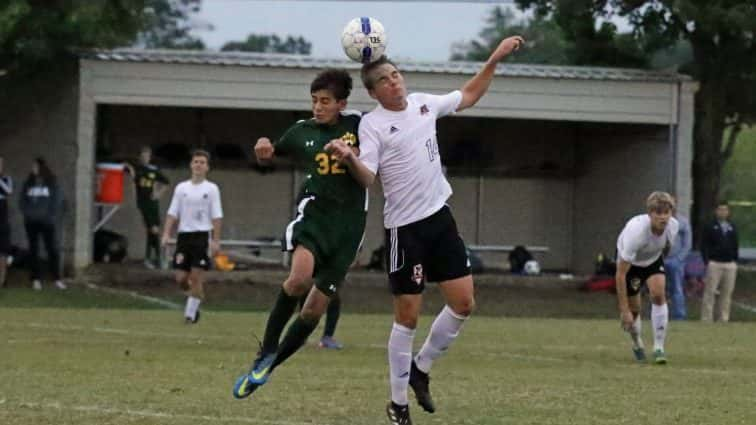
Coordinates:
339	150
507	46
264	149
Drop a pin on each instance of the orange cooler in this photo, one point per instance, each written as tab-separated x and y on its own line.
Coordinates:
109	183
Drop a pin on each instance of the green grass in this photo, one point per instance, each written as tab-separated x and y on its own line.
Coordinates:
113	366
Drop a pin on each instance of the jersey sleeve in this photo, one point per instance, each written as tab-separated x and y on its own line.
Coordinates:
175	207
216	210
159	176
370	146
287	141
6	185
446	104
629	243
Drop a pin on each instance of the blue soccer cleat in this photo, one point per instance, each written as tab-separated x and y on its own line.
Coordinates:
257	376
330	343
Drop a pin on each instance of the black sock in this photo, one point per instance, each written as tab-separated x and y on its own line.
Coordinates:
153	244
332	315
294	339
279	316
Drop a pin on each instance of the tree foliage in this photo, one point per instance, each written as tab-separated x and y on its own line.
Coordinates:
270	44
721	35
37	34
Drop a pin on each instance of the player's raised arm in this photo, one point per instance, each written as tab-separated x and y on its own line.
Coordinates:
477	86
264	151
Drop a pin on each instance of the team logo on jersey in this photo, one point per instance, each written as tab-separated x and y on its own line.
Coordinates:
309	143
635	283
179	258
424	110
349	138
417	273
204	196
393	130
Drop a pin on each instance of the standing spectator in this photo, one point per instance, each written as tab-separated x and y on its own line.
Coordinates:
150	184
6	189
719	248
674	265
42	206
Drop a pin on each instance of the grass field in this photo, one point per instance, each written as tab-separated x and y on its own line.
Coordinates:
127	364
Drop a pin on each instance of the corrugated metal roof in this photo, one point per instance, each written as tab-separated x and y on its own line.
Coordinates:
309	62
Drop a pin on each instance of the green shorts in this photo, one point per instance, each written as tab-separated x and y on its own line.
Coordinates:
150	213
331	234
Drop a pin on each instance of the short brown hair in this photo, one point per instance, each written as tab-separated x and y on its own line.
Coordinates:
201	152
659	201
367	81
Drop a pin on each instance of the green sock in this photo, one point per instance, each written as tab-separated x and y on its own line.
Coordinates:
332	315
294	339
279	316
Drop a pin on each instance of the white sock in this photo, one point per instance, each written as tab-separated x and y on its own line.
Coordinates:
192	305
444	330
635	332
659	320
400	361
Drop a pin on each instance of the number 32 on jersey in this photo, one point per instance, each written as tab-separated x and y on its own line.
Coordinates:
328	164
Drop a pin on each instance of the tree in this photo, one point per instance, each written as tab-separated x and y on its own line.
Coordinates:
37	35
722	37
546	41
270	44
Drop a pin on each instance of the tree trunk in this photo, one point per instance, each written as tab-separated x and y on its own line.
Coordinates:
707	153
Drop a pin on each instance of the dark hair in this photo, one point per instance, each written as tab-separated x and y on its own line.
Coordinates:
369	67
145	148
336	81
723	203
201	152
45	174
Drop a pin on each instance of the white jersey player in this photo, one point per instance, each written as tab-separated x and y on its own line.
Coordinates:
641	247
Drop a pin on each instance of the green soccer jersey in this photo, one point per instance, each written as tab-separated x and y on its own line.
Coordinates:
145	178
325	177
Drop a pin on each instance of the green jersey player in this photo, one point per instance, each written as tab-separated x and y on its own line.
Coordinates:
326	233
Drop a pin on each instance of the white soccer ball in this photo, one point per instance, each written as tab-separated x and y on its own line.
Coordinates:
532	268
364	40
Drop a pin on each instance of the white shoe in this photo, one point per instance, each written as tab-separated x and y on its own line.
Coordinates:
148	264
60	285
37	285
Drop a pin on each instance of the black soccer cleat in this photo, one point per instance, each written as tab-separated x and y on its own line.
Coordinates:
398	415
419	381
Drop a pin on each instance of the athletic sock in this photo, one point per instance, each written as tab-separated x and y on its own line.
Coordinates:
635	332
444	330
400	361
659	320
192	305
295	338
279	316
332	315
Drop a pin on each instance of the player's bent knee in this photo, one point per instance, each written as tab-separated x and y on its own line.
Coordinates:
296	287
465	308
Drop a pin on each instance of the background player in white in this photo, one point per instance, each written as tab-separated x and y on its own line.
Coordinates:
641	247
196	207
399	142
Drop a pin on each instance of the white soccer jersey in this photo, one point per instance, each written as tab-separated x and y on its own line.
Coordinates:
402	148
639	246
195	206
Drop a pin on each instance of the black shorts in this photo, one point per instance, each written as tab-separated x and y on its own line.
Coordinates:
636	277
191	251
430	249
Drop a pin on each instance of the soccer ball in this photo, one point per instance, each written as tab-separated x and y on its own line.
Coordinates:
364	40
532	268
